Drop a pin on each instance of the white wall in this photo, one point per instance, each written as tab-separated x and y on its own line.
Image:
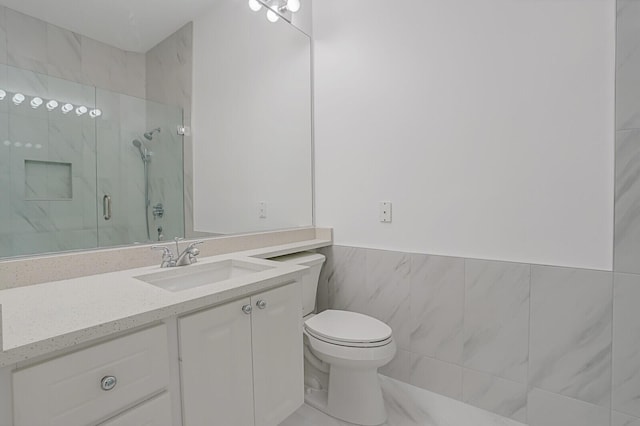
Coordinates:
488	124
251	121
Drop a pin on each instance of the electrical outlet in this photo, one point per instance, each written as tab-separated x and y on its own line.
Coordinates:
262	210
385	211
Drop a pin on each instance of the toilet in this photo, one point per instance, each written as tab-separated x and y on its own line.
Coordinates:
342	353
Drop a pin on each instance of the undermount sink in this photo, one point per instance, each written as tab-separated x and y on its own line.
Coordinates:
188	277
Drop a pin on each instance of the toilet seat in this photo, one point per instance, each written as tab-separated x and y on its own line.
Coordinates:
348	329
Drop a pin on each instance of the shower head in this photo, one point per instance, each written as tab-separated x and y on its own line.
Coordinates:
150	133
141	148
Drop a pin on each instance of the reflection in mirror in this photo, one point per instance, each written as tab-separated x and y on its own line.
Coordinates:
91	99
252	122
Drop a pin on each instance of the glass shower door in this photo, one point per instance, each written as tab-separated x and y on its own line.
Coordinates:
47	164
140	171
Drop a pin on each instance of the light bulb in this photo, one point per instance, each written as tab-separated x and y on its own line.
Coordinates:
28	145
52	104
255	5
272	16
95	113
81	110
18	98
3	94
293	5
36	102
67	108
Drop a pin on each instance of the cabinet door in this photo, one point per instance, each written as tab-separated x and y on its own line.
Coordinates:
156	412
277	354
215	354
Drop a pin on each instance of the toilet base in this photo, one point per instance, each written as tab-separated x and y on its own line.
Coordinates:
354	396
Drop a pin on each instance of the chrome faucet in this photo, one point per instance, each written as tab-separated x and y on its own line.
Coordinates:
187	257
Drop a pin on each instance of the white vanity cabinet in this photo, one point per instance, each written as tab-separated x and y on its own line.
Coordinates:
242	363
93	384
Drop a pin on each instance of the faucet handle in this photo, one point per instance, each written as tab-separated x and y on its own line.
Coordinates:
193	244
167	256
177	240
166	250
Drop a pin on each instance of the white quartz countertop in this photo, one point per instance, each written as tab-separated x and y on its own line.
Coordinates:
44	318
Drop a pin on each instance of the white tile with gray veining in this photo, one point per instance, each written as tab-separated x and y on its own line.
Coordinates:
627	202
495	394
436	376
628	65
64	54
626	345
347	285
570	346
410	406
619	419
400	366
3	36
26	41
548	409
387	283
437	306
496	318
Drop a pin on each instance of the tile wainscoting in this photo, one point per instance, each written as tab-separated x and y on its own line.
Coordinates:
542	345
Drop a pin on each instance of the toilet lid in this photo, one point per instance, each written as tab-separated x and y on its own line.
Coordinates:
348	327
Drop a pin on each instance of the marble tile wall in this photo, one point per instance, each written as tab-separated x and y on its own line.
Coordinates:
627	191
542	345
35	45
169	68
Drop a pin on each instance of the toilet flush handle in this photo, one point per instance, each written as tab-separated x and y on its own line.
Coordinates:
261	304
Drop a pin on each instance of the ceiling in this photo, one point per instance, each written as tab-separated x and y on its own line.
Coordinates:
134	25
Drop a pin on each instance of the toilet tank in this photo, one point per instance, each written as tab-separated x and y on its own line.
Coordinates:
310	280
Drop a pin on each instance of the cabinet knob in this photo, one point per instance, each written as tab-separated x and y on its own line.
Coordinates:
108	382
247	309
261	304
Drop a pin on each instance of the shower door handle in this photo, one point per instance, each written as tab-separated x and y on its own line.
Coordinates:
106	207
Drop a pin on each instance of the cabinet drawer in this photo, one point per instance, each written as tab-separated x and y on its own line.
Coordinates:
156	412
68	391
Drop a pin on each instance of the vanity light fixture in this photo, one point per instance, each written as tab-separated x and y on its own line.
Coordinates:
255	5
67	108
293	5
3	94
275	7
52	104
272	16
81	110
95	113
18	98
36	102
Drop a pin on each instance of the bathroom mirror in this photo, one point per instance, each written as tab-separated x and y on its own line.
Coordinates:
104	106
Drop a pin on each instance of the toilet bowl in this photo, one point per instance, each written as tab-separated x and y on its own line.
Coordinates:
343	351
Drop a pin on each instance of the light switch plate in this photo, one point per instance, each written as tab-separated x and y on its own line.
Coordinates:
385	211
262	210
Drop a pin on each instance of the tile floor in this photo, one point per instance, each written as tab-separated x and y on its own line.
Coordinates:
410	406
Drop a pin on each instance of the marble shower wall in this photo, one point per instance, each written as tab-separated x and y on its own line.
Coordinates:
35	45
627	193
542	345
169	67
